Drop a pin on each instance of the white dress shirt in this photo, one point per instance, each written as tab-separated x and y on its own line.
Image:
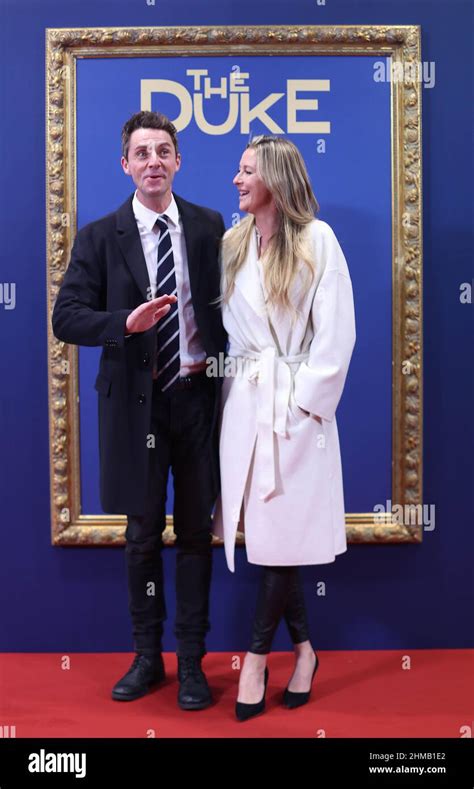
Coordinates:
191	352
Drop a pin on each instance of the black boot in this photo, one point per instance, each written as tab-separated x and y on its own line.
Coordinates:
194	692
145	672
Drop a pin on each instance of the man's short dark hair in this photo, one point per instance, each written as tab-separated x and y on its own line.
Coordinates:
147	120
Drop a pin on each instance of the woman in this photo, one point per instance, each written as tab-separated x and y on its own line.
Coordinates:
288	310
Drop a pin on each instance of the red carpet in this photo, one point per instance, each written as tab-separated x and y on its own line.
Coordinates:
355	694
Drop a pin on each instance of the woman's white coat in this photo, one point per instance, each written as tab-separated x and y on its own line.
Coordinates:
281	475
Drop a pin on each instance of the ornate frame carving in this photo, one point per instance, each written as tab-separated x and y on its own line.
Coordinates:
402	44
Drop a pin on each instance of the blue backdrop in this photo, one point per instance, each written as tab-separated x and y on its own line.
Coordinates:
351	179
408	596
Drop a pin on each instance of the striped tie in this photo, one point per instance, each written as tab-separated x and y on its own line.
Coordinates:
167	348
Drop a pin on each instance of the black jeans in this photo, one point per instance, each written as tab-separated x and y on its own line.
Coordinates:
181	425
280	594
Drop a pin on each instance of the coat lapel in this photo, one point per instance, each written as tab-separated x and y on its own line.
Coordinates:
192	237
249	284
130	243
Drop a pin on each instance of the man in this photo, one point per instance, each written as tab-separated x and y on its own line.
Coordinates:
142	283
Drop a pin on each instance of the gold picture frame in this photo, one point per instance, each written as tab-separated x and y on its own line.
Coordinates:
402	45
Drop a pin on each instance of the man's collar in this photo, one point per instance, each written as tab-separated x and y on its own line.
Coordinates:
148	217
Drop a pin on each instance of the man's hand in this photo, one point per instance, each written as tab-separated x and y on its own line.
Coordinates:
146	315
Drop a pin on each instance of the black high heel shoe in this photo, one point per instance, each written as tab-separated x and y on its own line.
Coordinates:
245	711
293	700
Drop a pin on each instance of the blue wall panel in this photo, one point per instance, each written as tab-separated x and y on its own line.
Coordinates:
408	596
354	167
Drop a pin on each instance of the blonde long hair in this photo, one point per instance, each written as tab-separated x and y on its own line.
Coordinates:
283	171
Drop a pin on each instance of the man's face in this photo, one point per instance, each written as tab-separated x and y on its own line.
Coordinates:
152	163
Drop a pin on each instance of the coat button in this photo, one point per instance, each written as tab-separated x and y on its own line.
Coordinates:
141	399
146	359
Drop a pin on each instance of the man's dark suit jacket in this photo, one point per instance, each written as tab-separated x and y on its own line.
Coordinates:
106	280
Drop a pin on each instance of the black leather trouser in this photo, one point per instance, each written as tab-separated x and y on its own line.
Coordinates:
280	594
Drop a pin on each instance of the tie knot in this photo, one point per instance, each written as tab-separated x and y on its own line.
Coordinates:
161	223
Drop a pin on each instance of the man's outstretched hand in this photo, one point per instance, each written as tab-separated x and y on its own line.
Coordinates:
146	315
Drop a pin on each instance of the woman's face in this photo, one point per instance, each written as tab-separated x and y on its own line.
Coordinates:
253	194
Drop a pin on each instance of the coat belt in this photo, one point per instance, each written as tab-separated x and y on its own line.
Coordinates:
273	377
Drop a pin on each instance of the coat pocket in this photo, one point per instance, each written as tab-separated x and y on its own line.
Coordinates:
103	385
296	413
